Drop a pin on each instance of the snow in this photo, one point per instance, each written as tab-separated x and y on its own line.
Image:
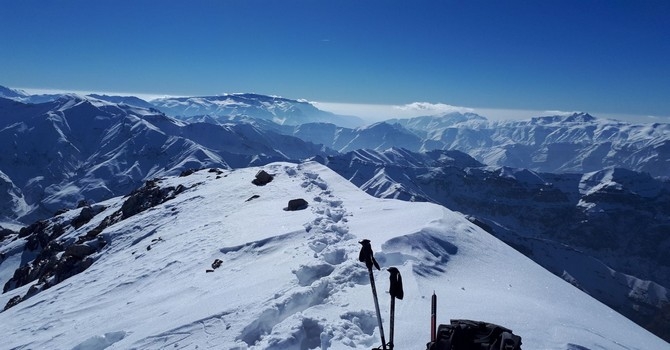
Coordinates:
291	279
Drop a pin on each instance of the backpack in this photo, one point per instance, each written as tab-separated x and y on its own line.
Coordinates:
474	335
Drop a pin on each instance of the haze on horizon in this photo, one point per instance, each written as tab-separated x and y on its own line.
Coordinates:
517	58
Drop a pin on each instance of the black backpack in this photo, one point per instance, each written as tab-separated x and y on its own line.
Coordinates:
474	335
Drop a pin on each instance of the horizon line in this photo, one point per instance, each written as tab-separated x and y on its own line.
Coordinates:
377	112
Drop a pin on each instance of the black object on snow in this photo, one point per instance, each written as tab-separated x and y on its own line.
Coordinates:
366	255
395	289
262	178
474	335
296	204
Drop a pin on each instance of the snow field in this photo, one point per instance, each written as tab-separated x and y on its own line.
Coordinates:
291	279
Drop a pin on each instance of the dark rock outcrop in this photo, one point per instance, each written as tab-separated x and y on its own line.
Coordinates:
262	178
297	204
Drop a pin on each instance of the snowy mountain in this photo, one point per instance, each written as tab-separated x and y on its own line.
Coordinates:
605	232
22	96
280	110
76	148
129	100
576	143
219	109
130	272
10	93
559	144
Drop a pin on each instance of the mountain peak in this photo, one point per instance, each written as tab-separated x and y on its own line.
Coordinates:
574	118
12	93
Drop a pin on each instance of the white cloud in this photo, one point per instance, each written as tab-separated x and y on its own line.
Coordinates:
427	108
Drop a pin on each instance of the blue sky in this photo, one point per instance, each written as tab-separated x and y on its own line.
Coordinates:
595	56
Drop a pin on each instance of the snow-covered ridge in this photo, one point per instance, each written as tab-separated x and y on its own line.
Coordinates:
280	110
291	279
614	221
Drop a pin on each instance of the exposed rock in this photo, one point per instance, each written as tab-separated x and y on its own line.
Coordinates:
79	251
148	196
187	172
12	302
87	213
297	204
252	198
49	268
217	263
5	232
262	178
35	227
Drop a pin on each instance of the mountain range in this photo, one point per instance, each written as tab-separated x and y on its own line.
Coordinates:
574	143
75	148
584	197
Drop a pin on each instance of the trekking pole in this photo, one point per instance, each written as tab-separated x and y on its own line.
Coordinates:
392	323
367	257
433	315
395	289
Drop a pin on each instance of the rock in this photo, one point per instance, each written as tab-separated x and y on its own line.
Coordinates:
297	204
262	178
12	302
217	263
79	251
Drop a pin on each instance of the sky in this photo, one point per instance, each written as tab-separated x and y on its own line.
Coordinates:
608	57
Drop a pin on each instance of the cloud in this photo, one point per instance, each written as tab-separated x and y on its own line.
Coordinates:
427	108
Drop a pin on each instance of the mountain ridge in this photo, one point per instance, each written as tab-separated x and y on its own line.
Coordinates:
288	279
277	109
601	218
